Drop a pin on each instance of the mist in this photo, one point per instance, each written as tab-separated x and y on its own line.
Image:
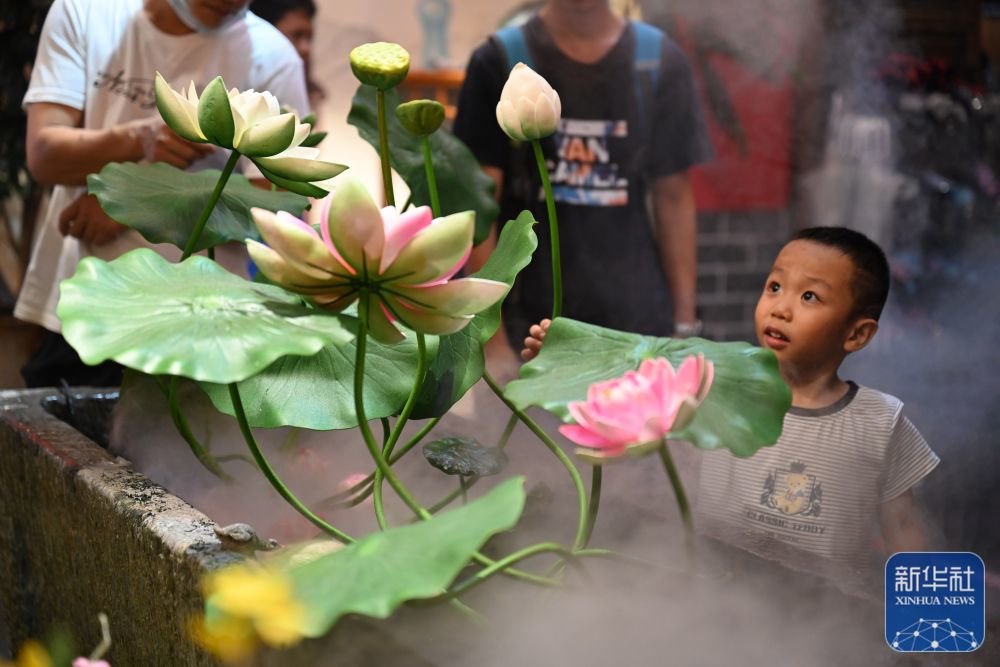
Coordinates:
936	350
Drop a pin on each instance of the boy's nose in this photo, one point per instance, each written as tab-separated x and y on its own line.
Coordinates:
781	310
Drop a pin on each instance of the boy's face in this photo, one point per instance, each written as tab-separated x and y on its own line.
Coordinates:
805	314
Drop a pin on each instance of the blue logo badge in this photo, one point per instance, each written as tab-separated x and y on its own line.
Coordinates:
935	602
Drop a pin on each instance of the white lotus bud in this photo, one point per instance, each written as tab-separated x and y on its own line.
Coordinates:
529	107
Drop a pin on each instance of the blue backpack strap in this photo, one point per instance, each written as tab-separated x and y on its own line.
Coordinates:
514	45
646	67
648	46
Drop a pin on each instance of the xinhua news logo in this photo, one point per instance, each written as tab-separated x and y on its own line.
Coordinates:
935	602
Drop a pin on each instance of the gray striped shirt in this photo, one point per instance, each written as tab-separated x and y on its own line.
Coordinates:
811	500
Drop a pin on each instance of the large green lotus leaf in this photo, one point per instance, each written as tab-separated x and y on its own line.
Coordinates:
462	184
317	392
163	203
193	319
460	362
381	571
743	412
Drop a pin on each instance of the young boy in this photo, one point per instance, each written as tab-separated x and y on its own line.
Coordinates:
810	500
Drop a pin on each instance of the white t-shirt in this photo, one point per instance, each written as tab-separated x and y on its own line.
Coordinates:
812	500
100	56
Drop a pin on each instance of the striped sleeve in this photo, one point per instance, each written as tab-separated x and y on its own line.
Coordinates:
908	460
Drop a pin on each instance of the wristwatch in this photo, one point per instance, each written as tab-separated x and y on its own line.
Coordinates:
687	329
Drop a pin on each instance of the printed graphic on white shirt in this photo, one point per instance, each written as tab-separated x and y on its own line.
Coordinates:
584	173
138	90
793	491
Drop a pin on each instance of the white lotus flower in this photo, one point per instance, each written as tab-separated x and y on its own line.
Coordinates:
529	107
252	124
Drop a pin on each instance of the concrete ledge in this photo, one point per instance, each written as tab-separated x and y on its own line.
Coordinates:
80	532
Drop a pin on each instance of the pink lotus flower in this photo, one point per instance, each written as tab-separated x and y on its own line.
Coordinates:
633	413
406	260
84	662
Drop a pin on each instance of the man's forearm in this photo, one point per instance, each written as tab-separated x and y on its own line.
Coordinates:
66	155
677	228
60	152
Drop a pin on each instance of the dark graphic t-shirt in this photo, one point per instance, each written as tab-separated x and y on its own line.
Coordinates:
609	145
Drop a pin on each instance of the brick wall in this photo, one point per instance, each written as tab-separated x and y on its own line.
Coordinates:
735	252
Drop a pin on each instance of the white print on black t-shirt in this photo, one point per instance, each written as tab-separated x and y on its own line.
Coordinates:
584	173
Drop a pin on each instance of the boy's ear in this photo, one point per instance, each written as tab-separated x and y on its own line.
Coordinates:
861	332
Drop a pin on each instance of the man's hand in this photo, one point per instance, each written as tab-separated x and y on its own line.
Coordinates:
61	151
536	336
160	143
86	220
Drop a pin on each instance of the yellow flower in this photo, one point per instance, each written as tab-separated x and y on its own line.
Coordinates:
32	654
245	604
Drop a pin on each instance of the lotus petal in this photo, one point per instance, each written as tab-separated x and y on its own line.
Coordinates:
466	296
300	164
179	112
267	137
352	227
437	252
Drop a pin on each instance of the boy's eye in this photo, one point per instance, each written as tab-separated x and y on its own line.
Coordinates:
773	287
809	296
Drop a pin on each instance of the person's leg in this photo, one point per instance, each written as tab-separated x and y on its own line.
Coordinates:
56	363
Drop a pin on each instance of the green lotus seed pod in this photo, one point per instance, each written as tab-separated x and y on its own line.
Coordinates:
421	117
380	64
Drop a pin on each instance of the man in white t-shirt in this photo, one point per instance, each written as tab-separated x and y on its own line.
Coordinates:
91	102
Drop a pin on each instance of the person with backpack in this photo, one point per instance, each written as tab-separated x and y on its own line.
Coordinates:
631	129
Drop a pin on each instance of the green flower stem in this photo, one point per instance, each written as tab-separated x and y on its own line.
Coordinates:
415	440
237	457
425	142
581	492
411	400
502	564
550	203
597	553
210	205
180	422
380	517
507	431
367	481
272	476
682	501
386	430
450	498
382	466
404	416
614	555
376	453
596	477
383	148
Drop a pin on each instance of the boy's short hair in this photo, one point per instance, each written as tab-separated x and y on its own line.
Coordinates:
870	283
273	10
